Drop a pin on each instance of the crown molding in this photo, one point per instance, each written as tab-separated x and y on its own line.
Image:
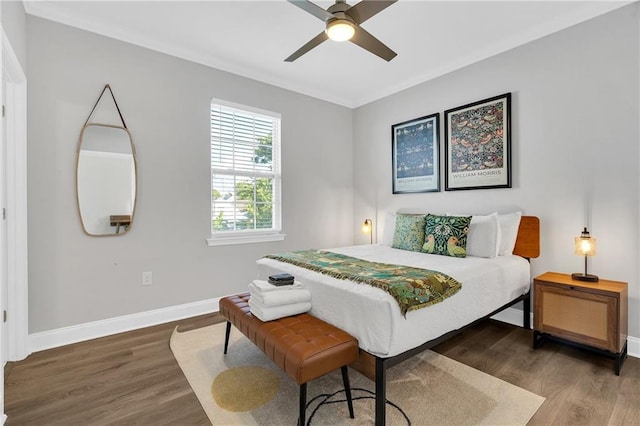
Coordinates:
47	10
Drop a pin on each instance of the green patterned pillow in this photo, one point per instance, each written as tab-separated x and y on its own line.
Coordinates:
446	235
409	232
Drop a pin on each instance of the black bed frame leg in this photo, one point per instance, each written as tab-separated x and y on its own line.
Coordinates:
381	392
347	389
526	311
226	336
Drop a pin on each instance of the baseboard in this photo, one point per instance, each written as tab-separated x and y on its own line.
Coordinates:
91	330
511	316
514	317
633	346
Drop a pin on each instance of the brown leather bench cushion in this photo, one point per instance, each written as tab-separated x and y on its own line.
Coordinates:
304	346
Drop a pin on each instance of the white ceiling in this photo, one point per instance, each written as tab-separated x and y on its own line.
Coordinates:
252	38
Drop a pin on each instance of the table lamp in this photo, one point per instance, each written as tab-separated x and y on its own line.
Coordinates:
585	245
367	228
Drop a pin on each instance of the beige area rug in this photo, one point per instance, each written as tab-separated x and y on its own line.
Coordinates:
244	387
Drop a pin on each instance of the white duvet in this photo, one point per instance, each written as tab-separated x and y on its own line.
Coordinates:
373	316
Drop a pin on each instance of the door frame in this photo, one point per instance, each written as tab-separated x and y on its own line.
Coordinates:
17	255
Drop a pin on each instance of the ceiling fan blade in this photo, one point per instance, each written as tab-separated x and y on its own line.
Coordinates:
313	9
365	40
366	9
307	47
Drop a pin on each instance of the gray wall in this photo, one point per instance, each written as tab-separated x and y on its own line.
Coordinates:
575	144
575	162
74	278
14	24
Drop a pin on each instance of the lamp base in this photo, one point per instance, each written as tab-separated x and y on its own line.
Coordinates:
584	277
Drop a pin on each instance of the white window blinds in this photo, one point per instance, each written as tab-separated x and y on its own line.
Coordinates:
245	170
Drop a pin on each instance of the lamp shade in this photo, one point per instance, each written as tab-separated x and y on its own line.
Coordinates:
585	244
367	228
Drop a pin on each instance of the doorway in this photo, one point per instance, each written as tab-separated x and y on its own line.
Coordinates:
13	211
4	277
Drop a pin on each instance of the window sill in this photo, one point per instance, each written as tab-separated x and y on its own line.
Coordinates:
244	239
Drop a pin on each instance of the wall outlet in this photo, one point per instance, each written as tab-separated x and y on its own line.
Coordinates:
147	278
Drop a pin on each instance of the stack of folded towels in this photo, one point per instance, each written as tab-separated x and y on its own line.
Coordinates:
269	301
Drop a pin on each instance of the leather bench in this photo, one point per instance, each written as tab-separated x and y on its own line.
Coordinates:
303	346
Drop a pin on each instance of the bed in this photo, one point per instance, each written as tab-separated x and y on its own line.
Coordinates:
387	337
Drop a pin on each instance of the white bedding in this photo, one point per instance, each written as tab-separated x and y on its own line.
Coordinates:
373	316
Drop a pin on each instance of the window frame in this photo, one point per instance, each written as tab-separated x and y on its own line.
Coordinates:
248	236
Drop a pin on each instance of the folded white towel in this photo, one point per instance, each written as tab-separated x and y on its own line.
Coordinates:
269	313
279	298
262	286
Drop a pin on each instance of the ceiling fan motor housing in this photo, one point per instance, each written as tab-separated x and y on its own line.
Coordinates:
339	6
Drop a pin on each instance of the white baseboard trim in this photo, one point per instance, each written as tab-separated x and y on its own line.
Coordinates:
633	346
511	316
91	330
514	317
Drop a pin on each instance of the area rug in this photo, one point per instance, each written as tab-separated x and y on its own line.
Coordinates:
244	387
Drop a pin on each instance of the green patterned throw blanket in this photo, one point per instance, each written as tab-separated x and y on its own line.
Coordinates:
413	288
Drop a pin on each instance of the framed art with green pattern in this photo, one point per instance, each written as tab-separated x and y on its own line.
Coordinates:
478	144
415	155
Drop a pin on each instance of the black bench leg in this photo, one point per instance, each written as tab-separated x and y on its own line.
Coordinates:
303	404
226	336
347	389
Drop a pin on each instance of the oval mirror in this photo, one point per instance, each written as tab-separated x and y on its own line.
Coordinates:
106	179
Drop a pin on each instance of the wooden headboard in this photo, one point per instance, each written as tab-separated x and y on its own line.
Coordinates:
528	240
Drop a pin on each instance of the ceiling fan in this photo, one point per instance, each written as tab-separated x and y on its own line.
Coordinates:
343	23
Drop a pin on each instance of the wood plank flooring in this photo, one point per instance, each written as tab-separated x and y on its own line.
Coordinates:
133	379
581	387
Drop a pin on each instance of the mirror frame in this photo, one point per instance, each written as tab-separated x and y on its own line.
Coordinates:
135	170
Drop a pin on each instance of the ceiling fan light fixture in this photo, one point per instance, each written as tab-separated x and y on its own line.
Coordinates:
340	30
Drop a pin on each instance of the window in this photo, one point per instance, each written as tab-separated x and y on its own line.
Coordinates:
245	175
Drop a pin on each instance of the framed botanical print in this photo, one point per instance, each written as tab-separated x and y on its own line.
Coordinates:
478	144
415	155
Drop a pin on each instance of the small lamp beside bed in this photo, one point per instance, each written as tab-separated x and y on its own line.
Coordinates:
585	245
367	228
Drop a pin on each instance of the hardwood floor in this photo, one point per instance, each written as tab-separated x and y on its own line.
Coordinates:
126	379
132	378
581	387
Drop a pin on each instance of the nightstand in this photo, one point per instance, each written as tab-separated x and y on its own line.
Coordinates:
588	315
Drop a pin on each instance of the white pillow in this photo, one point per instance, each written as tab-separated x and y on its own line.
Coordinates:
389	229
483	239
509	224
